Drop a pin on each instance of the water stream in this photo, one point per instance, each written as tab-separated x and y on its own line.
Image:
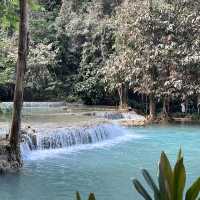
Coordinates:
101	158
50	141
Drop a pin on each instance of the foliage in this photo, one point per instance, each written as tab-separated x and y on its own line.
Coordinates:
91	196
195	117
171	182
162	58
84	47
94	53
8	54
148	48
8	17
41	58
40	76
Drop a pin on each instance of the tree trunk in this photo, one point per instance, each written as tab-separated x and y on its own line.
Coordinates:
150	5
198	103
186	105
18	94
152	107
166	106
123	97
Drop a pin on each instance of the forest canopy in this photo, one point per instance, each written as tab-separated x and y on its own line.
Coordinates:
127	52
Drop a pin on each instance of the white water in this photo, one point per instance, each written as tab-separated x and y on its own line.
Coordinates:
34	104
51	142
119	116
3	130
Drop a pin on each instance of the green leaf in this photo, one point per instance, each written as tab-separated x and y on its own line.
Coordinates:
78	197
193	191
179	179
34	5
91	196
165	177
141	190
180	155
151	183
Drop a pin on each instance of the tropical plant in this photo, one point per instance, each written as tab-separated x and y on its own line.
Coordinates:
91	196
171	182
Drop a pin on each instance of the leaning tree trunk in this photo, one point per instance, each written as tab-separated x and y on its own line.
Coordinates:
18	94
152	107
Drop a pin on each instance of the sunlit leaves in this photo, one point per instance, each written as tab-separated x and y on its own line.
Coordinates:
164	45
9	15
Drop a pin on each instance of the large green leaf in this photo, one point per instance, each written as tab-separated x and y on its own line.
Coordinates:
141	190
152	184
180	155
179	180
165	178
193	191
91	196
78	196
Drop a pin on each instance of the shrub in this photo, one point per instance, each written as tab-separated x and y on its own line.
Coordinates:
171	182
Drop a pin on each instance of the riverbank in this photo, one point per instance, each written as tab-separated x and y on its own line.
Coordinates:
174	118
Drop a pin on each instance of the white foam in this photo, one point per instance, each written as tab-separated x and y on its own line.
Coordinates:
117	135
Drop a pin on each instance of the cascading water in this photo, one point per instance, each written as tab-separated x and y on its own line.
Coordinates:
3	131
66	137
34	106
62	138
119	116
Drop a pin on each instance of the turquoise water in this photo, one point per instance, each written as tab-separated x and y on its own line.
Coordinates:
106	168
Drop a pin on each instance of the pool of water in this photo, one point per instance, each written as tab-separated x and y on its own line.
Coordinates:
105	168
59	116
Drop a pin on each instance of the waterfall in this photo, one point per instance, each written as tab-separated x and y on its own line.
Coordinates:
4	130
119	116
34	104
30	106
133	116
66	137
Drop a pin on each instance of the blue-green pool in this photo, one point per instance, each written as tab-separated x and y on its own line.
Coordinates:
106	168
